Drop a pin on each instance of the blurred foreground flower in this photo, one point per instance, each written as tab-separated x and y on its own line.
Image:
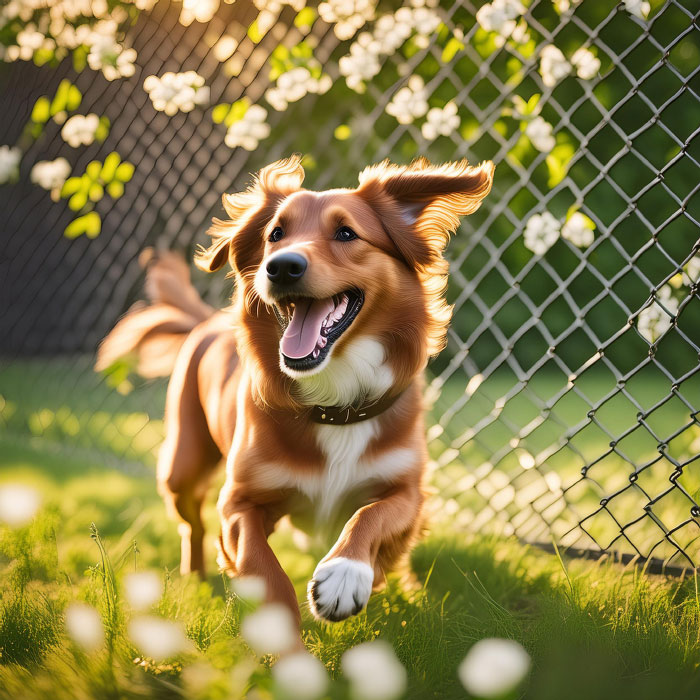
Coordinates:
441	122
654	321
80	130
410	102
540	134
346	16
494	667
84	626
18	504
174	92
579	230
300	676
250	130
158	638
541	233
9	163
553	65
638	8
249	588
500	16
270	630
374	671
50	174
586	64
143	589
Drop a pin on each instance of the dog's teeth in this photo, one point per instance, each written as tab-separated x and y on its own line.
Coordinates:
316	353
322	341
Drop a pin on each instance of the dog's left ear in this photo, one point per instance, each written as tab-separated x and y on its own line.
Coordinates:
421	204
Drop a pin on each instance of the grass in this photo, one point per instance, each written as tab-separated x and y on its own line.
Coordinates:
594	630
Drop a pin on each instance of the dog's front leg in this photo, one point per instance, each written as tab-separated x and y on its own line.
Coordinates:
245	527
374	538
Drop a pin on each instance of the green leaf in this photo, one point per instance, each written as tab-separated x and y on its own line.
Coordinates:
60	100
43	56
102	130
125	172
558	163
453	46
41	111
74	98
305	18
78	201
302	50
93	169
96	192
115	189
342	132
80	59
71	186
237	112
93	224
219	112
109	167
75	228
254	32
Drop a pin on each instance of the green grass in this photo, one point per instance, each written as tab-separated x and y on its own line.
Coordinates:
594	630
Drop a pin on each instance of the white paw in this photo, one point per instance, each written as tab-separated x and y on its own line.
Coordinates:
340	588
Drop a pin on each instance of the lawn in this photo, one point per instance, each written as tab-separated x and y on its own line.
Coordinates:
593	629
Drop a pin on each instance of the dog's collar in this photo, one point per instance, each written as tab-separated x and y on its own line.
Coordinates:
335	415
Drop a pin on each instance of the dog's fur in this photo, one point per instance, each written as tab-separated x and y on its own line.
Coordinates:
231	393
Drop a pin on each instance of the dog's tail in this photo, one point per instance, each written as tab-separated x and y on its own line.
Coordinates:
151	334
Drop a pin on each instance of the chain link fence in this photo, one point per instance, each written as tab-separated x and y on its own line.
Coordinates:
565	407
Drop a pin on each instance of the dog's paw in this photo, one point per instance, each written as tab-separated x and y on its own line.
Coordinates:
340	588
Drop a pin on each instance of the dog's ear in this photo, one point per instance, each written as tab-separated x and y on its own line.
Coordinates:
249	211
421	204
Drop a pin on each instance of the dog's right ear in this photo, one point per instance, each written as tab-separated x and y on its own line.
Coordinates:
237	239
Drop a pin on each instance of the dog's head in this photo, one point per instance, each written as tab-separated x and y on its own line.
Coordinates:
326	269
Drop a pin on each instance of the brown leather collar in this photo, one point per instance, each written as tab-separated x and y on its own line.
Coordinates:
333	415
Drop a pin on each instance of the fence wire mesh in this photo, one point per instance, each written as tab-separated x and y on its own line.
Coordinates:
565	406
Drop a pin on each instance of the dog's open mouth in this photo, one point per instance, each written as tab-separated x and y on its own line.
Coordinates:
311	326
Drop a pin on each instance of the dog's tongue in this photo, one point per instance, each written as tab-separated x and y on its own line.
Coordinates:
300	336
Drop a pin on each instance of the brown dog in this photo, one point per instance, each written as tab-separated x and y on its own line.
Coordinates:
310	385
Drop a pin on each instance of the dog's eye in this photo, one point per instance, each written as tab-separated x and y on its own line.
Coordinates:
345	234
276	235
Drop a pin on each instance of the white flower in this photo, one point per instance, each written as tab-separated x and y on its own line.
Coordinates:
84	626
410	102
374	671
500	16
250	130
9	163
225	48
200	10
541	233
441	122
562	6
578	230
347	16
425	21
494	667
362	63
553	65
18	504
174	92
158	638
295	84
540	134
691	274
112	59
250	588
585	63
143	589
270	629
300	676
50	174
29	40
80	130
654	321
638	8
390	31
277	5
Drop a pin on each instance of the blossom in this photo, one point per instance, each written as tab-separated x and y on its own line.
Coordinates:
390	31
691	274
200	10
362	63
410	102
80	130
553	65
84	626
248	131
143	589
293	85
500	17
157	638
50	174
638	8
174	92
18	504
441	122
374	671
300	676
347	16
541	233
270	629
585	63
540	134
654	321
9	163
494	667
112	59
29	39
579	230
250	588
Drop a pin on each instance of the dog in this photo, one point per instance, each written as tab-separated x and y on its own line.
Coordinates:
310	384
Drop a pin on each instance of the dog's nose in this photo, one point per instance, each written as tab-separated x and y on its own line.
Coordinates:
286	268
